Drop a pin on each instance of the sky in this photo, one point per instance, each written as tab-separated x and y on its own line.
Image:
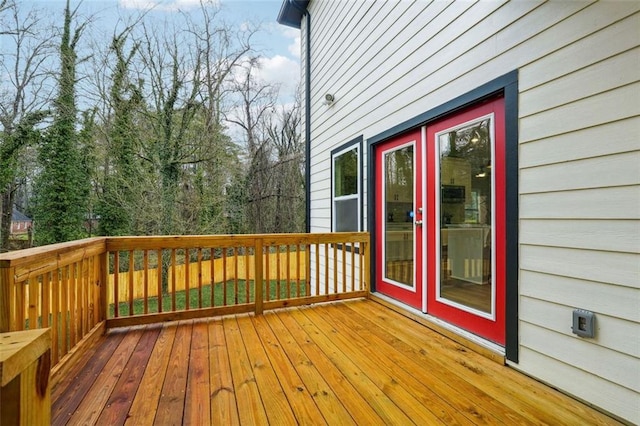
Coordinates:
280	45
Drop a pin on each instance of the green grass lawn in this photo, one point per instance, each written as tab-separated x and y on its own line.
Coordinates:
218	297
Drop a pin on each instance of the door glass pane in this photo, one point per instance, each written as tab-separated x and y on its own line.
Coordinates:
465	215
398	233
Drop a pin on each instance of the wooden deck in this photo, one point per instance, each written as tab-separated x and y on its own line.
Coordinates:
353	362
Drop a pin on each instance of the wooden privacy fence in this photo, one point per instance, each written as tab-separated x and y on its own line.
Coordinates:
203	270
79	288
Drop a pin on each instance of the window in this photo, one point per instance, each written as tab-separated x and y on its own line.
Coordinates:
346	197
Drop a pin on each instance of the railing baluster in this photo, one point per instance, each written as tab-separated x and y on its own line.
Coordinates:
64	310
160	278
335	268
366	267
46	299
307	269
317	249
33	303
326	268
199	254
116	284
288	271
145	290
72	305
84	291
258	281
130	274
279	273
82	301
267	275
55	320
235	274
298	270
187	275
173	279
224	276
344	267
353	266
212	261
247	275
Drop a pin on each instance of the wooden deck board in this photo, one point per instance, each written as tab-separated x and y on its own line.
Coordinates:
322	380
119	403
197	403
149	391
353	362
532	401
302	404
224	408
96	398
171	405
449	398
69	393
380	400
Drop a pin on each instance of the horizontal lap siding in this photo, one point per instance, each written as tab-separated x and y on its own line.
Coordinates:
580	213
579	153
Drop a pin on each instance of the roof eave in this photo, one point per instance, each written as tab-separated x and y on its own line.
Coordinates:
291	12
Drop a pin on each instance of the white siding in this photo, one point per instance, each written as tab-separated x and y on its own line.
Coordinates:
579	136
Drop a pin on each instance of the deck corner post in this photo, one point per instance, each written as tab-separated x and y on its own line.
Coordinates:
258	255
367	267
7	282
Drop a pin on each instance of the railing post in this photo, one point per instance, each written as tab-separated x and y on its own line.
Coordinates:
258	278
367	267
7	282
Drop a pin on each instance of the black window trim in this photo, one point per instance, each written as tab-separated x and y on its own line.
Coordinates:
354	143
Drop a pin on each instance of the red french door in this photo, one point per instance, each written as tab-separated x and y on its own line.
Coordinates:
447	236
399	188
466	224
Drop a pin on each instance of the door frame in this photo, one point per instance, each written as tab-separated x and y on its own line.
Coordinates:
507	87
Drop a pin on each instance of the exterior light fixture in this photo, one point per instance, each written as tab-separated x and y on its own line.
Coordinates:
329	99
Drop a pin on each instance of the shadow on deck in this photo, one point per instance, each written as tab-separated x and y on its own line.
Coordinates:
352	362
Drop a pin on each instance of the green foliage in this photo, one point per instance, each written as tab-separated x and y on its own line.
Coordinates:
62	188
150	154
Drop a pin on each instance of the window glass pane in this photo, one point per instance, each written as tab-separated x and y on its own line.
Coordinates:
346	173
346	215
398	232
465	215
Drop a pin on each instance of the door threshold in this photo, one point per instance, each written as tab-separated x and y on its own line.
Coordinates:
462	337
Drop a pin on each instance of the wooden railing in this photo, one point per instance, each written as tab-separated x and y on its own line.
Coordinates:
58	286
180	277
79	288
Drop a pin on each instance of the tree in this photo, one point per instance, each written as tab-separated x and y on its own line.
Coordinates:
255	102
122	174
287	171
23	99
62	186
273	190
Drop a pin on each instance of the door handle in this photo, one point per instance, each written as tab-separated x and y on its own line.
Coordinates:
418	223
